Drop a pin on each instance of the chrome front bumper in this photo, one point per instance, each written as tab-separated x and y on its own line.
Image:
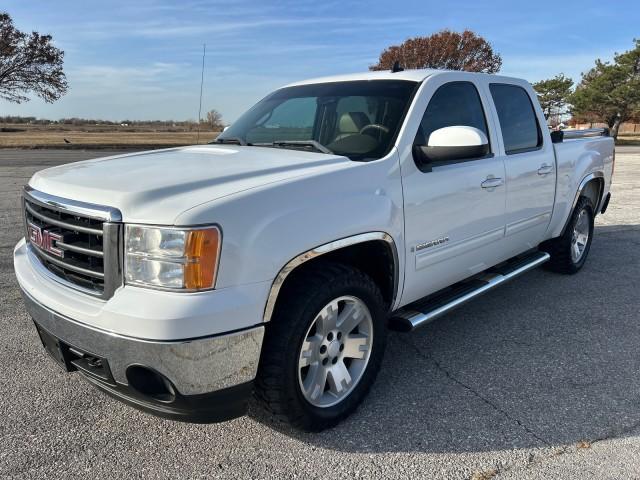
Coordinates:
195	368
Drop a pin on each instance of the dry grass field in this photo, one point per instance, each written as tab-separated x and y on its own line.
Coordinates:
97	136
115	136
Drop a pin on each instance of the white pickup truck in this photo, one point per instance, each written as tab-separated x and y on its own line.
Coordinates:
273	260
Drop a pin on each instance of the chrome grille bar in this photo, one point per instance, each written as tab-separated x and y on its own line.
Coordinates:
59	223
79	249
73	207
69	266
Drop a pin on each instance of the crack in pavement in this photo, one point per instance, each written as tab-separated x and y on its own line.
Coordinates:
469	388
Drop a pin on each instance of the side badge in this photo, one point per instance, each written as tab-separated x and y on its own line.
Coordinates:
432	243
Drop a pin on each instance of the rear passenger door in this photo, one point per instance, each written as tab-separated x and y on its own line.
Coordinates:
529	165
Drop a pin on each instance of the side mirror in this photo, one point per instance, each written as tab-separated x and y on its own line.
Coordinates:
225	128
450	144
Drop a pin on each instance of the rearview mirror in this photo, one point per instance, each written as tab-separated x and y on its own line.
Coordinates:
451	144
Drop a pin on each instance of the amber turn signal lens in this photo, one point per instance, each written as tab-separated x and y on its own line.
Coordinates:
202	248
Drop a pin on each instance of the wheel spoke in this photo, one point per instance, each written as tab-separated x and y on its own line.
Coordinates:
315	382
576	251
582	239
327	318
349	318
355	346
309	351
339	378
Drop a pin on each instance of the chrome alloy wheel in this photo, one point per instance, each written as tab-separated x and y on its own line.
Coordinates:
580	236
335	351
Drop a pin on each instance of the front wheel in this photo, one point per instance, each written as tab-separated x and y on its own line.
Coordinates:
324	347
569	251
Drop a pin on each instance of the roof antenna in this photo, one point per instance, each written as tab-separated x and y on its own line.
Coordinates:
396	67
204	52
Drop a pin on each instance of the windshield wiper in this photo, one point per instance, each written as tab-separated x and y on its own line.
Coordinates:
230	140
303	143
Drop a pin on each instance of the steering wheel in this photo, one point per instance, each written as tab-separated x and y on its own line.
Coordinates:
374	126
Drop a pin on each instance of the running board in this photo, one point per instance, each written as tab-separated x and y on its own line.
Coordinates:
429	308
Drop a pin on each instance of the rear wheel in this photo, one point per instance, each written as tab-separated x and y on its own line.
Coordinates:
323	348
569	251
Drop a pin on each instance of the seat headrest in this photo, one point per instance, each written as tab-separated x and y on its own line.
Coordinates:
352	122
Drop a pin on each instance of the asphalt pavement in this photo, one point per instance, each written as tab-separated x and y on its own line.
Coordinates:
538	379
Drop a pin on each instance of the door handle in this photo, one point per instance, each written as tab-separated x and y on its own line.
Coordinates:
545	169
491	183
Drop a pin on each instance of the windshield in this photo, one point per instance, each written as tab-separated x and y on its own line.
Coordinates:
357	119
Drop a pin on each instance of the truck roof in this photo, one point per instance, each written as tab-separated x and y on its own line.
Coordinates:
413	75
410	75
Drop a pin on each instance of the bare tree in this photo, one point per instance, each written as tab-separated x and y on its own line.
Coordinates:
445	49
29	63
214	119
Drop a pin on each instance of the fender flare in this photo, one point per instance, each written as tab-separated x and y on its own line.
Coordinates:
583	184
323	249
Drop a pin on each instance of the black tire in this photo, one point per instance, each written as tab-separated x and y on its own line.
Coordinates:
560	248
277	385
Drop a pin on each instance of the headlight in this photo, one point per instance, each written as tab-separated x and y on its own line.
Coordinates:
173	258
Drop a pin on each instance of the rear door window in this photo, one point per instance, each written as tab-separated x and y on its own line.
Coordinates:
518	121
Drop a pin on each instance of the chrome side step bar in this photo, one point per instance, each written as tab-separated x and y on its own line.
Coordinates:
433	306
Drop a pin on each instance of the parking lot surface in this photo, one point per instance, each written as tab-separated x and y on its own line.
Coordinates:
538	379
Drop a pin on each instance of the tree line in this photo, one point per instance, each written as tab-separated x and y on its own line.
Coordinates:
214	121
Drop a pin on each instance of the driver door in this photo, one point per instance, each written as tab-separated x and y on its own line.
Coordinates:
454	211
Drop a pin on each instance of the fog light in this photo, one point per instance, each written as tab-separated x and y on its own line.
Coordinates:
151	383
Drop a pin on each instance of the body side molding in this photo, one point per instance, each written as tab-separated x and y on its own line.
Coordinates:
321	250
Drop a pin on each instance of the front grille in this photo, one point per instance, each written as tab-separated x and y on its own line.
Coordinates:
73	246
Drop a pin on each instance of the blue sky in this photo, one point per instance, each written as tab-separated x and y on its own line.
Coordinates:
141	59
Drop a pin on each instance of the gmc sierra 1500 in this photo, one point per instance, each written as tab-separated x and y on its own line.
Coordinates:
274	259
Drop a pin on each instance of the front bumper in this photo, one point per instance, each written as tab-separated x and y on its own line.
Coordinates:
201	380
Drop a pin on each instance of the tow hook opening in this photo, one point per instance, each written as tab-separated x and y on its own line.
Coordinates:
150	383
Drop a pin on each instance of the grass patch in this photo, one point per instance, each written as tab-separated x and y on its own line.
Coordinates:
98	137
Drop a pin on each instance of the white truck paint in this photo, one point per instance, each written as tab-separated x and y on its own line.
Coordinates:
278	208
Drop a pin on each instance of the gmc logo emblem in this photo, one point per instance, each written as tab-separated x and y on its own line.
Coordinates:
44	239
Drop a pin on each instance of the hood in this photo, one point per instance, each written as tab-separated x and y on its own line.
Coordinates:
156	186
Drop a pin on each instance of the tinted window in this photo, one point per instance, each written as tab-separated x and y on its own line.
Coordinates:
520	130
453	104
358	119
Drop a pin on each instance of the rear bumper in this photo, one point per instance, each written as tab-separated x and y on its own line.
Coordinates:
199	380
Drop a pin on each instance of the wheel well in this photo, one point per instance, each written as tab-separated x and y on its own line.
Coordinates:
593	190
376	258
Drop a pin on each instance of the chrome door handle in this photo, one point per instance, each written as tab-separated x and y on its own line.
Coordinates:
545	169
491	183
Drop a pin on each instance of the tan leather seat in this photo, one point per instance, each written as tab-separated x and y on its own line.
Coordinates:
351	123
